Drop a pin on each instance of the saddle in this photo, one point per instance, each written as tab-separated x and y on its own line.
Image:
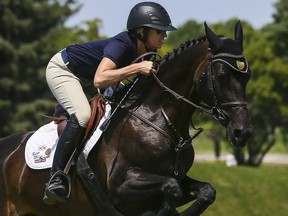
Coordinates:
97	104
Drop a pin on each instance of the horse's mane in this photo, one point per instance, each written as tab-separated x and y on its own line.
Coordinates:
181	48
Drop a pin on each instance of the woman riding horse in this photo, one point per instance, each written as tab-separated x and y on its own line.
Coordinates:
107	62
141	161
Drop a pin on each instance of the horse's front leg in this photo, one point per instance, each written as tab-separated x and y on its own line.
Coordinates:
202	192
144	190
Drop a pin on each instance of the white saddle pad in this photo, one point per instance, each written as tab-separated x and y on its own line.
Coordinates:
40	147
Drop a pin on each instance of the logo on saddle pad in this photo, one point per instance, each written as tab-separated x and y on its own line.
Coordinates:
41	154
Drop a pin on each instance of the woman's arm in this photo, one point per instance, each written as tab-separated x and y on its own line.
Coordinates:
107	74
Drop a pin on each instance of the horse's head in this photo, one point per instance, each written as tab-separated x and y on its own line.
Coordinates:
226	77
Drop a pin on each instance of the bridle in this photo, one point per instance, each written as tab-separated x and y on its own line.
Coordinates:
216	110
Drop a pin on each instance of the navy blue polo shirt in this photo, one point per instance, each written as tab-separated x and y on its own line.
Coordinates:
85	58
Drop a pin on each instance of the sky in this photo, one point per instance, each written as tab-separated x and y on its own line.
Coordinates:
114	13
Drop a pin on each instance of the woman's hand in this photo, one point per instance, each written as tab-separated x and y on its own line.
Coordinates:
146	68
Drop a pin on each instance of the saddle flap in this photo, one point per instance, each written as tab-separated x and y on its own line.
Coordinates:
97	104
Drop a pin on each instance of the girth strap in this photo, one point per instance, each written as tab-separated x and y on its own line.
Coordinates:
93	188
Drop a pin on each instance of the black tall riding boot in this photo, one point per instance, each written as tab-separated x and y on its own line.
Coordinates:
58	187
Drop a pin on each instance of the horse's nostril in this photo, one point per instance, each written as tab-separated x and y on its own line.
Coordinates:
242	134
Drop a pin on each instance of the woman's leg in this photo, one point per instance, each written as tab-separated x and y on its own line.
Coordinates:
67	89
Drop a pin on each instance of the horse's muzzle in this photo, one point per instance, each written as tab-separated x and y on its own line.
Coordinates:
238	137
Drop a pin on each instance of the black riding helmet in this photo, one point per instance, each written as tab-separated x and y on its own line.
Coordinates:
149	14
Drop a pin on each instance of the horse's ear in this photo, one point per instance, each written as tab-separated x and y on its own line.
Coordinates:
239	33
214	41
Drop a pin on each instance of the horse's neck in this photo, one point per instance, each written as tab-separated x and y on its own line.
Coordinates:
180	72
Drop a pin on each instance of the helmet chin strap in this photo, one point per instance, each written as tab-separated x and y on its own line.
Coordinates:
147	49
145	39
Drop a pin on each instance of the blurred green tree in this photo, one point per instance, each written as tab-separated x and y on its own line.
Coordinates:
31	33
268	57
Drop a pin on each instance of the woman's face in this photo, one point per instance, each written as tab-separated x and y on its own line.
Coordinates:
155	38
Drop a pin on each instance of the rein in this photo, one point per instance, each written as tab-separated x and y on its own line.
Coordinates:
180	97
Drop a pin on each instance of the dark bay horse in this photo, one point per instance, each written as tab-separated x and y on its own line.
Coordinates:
143	156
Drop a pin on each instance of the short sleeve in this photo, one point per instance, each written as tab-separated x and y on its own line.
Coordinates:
117	51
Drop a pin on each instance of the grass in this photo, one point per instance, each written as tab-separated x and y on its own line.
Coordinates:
203	144
245	191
